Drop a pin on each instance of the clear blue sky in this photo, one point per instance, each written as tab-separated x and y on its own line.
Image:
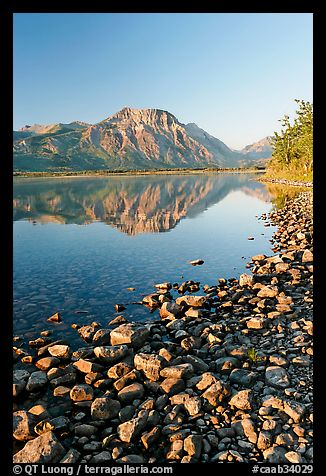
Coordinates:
234	75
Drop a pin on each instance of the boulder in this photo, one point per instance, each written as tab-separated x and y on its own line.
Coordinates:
242	400
81	392
60	351
193	445
275	454
23	425
170	310
171	386
216	393
43	449
132	428
181	371
119	370
101	337
131	333
131	392
246	280
193	301
149	364
277	377
193	405
86	366
47	362
110	354
36	381
87	332
105	408
268	292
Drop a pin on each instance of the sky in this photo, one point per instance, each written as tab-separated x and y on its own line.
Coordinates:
233	74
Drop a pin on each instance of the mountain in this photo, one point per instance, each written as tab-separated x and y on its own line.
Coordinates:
260	150
131	139
41	129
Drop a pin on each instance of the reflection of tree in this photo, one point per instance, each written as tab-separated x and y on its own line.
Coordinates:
131	204
280	194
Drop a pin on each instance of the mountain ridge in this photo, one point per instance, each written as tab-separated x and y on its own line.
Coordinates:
130	139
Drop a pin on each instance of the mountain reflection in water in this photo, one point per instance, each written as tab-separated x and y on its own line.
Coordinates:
132	204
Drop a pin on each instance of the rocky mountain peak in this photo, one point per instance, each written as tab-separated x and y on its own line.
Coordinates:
151	117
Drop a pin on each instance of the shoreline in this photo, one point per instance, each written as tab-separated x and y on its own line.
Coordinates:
224	376
132	173
290	183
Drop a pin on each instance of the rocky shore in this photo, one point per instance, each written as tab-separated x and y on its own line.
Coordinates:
224	376
292	183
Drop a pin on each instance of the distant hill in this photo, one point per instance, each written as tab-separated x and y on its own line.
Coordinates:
131	139
258	150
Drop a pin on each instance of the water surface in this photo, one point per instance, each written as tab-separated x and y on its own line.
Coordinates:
79	243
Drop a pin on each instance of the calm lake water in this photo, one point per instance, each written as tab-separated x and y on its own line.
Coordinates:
79	243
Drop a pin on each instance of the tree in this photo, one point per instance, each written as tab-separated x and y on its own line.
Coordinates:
293	147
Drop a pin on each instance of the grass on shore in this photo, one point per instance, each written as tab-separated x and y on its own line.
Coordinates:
291	173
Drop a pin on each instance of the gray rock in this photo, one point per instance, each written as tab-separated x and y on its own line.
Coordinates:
198	364
85	430
126	413
132	458
243	377
101	458
277	377
36	381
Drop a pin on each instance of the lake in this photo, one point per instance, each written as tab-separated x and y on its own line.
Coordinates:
80	243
